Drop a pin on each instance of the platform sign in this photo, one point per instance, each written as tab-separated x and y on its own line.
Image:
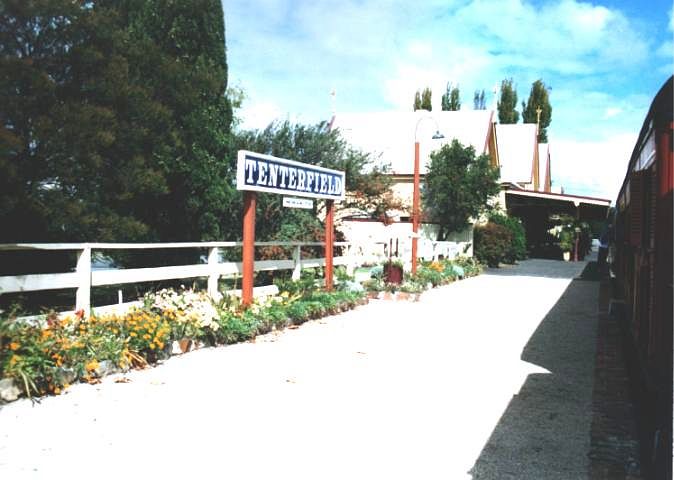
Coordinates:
294	202
265	173
256	172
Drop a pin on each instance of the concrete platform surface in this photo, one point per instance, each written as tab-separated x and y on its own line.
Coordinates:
487	378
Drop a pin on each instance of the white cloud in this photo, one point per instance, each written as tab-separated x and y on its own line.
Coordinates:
592	168
612	112
259	114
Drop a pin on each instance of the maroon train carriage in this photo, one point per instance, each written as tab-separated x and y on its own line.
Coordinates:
642	266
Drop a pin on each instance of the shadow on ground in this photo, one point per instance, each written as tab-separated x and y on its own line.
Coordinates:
544	432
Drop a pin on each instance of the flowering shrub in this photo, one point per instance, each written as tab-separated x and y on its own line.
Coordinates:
191	314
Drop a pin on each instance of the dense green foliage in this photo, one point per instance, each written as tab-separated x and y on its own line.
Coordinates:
451	99
538	99
517	249
507	103
492	243
457	187
114	125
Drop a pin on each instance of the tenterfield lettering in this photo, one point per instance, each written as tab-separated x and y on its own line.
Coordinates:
276	175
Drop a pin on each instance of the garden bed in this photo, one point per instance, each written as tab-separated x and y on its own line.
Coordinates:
429	275
44	358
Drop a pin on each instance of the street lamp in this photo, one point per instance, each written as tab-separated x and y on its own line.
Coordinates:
415	198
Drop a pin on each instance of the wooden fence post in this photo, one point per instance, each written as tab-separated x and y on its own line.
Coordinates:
83	270
213	259
297	258
350	259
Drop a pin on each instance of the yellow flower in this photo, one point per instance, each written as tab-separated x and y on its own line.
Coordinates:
152	346
14	346
91	365
13	360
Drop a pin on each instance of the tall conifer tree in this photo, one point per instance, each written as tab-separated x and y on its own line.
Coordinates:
538	101
507	103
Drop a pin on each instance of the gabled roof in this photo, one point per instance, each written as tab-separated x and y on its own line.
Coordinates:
391	135
517	149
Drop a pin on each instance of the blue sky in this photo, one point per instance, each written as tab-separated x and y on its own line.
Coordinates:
604	61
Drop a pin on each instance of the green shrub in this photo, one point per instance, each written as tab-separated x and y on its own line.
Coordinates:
517	250
492	242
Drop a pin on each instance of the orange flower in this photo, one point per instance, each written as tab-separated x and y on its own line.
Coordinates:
91	365
14	346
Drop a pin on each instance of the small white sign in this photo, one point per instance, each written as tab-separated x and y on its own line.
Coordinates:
293	202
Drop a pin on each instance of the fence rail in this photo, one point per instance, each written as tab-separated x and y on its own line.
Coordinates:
83	278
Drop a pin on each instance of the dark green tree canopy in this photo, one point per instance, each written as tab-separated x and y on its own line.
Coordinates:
451	100
114	124
507	103
457	187
538	100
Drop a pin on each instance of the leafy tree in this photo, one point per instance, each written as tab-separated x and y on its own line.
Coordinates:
479	101
367	185
451	99
114	122
507	103
458	186
538	99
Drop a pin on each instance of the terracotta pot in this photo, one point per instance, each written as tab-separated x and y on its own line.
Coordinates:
183	345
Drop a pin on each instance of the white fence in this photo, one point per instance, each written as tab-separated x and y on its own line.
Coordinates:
83	278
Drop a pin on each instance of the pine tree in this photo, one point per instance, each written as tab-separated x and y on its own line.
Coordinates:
114	125
507	103
538	100
417	101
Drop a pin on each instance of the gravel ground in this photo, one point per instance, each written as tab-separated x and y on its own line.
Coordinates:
490	377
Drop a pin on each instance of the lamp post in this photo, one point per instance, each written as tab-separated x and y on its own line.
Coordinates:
415	197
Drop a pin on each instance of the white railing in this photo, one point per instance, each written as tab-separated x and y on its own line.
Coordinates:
83	278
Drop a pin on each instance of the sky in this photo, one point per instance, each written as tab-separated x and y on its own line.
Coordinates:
603	61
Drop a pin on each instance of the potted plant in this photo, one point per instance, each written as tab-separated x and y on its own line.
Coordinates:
393	271
566	243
